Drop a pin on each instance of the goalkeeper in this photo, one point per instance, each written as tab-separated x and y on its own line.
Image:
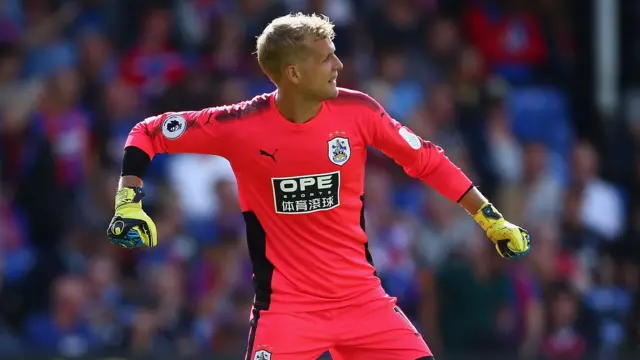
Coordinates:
299	157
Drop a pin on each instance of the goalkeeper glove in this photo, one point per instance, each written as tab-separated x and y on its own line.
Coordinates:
131	226
511	241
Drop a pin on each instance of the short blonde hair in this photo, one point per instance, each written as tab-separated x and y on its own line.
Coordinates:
286	38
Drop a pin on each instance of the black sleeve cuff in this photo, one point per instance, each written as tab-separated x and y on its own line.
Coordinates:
135	162
466	192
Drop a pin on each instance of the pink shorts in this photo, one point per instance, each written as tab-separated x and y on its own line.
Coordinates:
374	330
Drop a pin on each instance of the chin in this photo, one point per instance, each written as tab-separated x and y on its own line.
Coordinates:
333	93
326	93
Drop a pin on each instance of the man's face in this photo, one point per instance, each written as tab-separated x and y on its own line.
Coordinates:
319	70
535	159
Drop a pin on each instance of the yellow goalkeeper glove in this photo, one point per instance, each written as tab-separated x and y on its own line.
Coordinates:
131	226
511	241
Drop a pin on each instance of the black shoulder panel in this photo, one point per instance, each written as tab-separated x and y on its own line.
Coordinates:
243	110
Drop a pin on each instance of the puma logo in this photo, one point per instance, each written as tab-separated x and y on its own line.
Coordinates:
272	156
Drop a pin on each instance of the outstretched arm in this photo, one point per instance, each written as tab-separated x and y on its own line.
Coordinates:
420	159
426	161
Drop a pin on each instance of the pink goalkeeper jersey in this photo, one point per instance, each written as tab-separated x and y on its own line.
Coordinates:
301	188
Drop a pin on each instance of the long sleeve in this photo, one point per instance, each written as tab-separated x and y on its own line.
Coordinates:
420	159
195	132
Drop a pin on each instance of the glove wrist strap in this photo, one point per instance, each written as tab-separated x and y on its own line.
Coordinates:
487	216
129	195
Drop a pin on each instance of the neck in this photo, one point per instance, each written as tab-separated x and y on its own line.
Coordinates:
296	108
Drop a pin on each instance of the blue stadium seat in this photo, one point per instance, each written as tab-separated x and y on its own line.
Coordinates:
541	114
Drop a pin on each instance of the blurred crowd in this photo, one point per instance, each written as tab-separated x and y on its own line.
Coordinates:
487	80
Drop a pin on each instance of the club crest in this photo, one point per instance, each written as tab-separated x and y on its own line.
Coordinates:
339	150
262	355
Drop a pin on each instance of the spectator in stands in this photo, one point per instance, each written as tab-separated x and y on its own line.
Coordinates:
120	108
391	241
525	310
539	188
98	68
105	294
505	152
481	277
509	36
66	328
153	65
611	305
576	235
445	231
18	97
433	62
15	248
564	339
598	196
398	92
66	127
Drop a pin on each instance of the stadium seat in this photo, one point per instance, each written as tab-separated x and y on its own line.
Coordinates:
541	114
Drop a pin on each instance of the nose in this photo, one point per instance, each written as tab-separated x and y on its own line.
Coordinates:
338	65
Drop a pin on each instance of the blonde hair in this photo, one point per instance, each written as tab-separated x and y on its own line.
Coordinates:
286	37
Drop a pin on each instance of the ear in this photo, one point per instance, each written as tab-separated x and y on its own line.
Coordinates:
292	73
